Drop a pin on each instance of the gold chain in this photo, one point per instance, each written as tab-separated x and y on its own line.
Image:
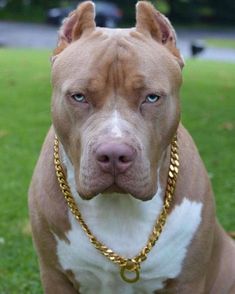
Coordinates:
133	264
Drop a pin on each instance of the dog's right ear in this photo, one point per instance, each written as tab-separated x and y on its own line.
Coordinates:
152	23
79	22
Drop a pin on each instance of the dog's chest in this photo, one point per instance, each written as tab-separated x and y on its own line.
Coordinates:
125	229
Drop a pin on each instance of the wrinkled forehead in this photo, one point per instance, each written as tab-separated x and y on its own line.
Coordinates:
118	55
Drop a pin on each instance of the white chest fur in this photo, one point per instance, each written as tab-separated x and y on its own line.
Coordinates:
124	224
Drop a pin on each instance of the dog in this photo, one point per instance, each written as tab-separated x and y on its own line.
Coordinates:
120	201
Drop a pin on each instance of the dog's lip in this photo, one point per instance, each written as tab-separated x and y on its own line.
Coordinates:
114	188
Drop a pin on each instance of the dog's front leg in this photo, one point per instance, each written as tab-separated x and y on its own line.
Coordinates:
55	281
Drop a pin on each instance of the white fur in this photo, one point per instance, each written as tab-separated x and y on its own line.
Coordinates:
124	224
115	123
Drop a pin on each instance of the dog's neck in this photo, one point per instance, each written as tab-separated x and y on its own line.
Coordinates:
124	224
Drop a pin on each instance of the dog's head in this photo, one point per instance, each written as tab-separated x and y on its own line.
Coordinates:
115	104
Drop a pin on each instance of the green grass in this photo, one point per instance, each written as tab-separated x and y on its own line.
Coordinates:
208	112
24	119
221	43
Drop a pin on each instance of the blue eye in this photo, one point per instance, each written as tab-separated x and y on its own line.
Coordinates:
152	98
79	98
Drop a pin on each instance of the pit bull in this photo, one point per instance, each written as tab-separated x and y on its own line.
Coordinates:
115	110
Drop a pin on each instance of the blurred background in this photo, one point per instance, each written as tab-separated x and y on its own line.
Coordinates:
28	33
200	24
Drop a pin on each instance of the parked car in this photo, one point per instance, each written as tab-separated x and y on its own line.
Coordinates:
3	3
107	14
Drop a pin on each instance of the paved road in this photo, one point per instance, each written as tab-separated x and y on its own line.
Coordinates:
21	35
186	37
24	35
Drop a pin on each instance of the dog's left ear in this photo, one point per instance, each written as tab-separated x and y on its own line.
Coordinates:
151	22
79	22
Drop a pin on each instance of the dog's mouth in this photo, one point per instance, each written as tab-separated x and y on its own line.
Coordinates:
136	181
115	189
111	189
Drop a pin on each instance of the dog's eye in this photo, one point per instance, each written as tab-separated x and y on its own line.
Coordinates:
79	97
152	98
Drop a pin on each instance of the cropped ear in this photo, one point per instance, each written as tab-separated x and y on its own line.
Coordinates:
152	22
79	22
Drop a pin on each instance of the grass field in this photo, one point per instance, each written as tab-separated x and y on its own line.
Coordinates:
208	105
221	43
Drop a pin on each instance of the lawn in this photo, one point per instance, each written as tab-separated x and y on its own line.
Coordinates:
221	43
208	105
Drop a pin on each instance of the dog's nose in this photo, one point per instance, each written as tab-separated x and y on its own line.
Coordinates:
115	158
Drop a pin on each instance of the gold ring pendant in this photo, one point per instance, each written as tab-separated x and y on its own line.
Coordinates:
123	273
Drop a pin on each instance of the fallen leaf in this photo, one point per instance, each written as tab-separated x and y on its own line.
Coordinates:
2	241
26	229
229	126
3	133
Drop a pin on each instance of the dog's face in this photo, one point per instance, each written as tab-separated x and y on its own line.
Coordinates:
115	103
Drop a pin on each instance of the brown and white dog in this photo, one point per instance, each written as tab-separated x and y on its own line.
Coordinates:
115	110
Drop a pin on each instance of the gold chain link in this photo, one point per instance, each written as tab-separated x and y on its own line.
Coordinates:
133	264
